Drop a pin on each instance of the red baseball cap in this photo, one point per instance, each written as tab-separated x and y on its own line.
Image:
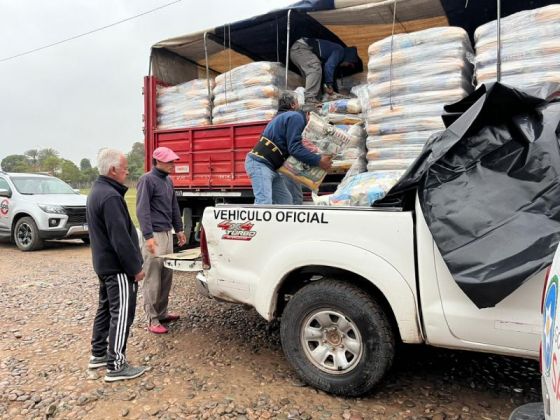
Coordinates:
165	154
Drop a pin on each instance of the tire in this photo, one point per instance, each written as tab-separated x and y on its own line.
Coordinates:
85	240
349	321
26	235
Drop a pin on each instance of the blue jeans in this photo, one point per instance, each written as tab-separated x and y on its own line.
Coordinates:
268	185
295	190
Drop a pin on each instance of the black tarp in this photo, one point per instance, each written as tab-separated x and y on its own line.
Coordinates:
263	38
489	189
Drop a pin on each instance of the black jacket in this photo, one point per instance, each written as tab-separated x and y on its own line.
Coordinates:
114	242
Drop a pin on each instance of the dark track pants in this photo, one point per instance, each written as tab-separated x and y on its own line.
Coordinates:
115	314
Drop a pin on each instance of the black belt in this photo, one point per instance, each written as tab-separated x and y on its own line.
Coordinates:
266	149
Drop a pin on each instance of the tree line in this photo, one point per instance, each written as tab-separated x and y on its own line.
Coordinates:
51	162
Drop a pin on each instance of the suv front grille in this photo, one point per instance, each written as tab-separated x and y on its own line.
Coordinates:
76	215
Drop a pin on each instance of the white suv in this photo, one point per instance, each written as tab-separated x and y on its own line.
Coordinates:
34	208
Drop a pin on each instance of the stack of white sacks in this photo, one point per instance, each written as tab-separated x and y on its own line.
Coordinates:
410	79
250	92
530	49
184	105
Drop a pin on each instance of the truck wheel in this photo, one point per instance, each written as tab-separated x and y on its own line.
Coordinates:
337	338
26	235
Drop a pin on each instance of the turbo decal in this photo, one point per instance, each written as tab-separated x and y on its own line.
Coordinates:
4	207
549	321
237	231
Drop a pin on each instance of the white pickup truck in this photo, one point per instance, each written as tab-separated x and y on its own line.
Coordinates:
348	284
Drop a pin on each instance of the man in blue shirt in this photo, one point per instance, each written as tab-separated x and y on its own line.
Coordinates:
319	57
281	138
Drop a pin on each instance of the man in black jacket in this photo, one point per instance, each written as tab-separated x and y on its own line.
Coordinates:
118	264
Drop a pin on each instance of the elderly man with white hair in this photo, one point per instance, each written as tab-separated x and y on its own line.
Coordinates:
118	263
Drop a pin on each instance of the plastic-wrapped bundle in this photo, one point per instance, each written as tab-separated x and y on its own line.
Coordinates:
250	92
168	123
524	35
252	69
245	116
530	49
361	92
253	92
421	84
438	36
355	149
253	81
259	73
344	119
300	95
429	97
248	105
358	166
395	151
184	105
405	126
531	52
194	88
521	67
413	56
408	151
386	113
362	189
525	19
183	118
258	68
319	137
357	135
455	65
342	106
388	164
400	139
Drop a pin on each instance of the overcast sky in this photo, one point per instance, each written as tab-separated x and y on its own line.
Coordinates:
87	93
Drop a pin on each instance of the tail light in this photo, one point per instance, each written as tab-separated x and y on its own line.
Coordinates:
544	287
204	250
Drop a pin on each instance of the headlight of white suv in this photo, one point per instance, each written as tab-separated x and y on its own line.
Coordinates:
52	208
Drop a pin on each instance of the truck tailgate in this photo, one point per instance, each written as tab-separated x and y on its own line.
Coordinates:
189	260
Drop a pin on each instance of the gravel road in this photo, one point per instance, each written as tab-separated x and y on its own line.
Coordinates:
219	360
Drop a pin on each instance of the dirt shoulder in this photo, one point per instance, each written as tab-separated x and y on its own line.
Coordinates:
219	360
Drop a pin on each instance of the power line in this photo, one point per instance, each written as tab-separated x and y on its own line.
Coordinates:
88	33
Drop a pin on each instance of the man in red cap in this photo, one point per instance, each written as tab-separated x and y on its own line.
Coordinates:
158	213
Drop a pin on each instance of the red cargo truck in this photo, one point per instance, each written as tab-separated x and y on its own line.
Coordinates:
211	168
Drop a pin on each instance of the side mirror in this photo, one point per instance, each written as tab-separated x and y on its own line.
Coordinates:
5	193
77	191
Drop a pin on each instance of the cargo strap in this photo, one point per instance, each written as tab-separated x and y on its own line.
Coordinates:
266	149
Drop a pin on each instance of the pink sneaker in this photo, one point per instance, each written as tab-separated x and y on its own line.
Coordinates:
170	317
157	329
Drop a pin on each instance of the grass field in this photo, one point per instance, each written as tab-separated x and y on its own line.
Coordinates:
130	199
